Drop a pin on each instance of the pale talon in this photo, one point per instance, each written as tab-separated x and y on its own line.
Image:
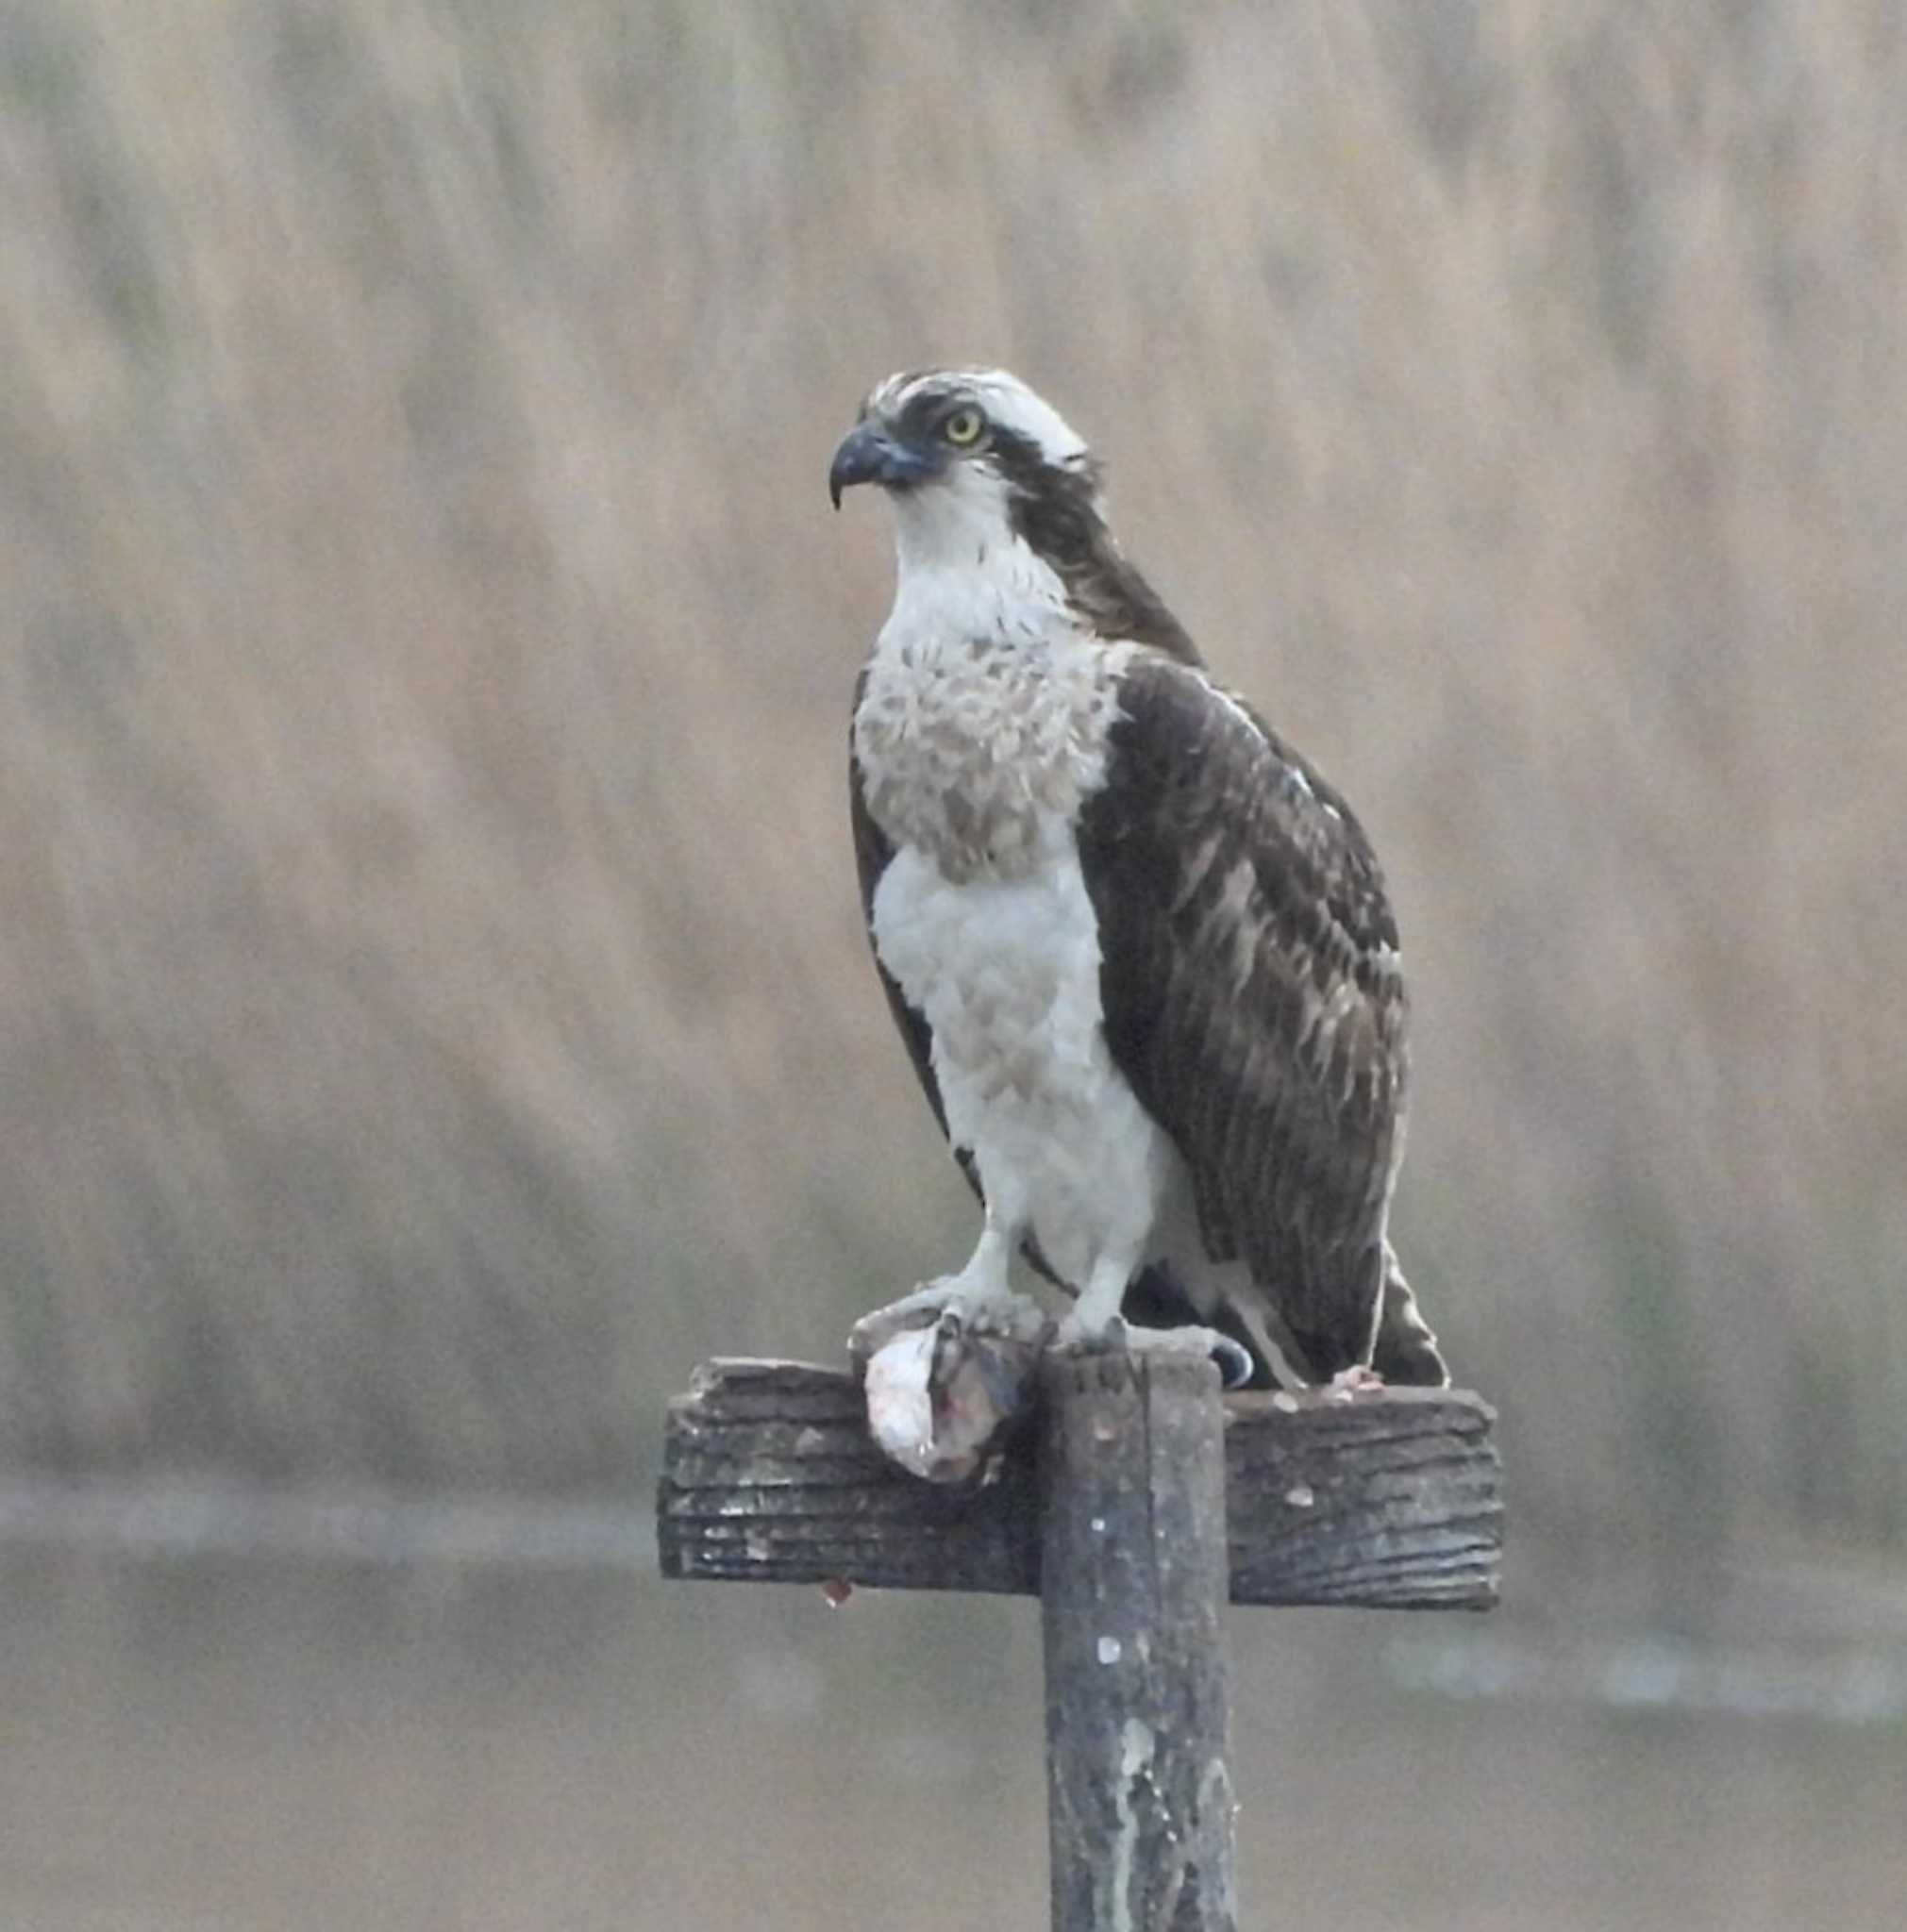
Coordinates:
1084	1338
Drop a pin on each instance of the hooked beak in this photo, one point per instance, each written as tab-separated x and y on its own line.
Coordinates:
869	454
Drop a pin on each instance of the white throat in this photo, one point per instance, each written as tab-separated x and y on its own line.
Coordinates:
963	574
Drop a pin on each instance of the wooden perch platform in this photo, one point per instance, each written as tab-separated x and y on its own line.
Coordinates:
1389	1501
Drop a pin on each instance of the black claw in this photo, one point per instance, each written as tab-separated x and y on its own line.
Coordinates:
1235	1365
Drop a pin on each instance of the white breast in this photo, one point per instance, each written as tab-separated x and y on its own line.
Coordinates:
1007	973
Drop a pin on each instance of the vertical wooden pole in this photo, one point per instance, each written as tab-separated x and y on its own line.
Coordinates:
1133	1583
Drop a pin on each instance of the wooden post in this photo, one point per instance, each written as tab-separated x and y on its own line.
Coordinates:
1132	1579
1134	1495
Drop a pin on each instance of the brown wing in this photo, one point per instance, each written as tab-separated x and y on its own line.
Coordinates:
1252	994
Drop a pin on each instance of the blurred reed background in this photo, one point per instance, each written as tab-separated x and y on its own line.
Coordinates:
433	1005
432	997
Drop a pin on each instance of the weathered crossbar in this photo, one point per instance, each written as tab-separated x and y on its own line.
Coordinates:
1390	1501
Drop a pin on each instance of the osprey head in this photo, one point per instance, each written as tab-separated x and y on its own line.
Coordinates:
968	430
985	475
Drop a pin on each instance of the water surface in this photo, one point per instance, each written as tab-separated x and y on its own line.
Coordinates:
290	1736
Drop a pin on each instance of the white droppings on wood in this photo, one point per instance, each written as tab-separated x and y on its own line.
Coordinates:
1136	1747
1110	1650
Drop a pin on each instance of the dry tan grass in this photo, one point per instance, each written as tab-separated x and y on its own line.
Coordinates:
430	986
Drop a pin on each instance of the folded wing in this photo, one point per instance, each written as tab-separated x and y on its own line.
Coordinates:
1252	995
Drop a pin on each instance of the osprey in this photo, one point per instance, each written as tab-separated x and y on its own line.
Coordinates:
1139	949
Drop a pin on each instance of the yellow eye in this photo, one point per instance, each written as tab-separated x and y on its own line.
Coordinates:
963	429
